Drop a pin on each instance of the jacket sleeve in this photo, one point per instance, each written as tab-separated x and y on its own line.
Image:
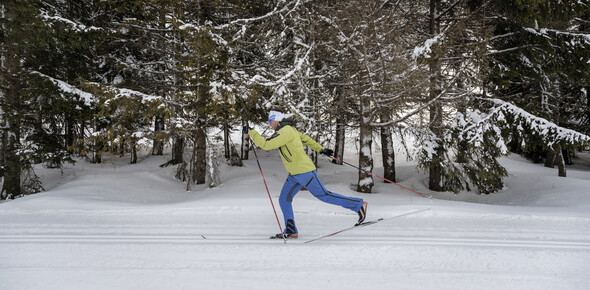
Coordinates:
273	143
309	142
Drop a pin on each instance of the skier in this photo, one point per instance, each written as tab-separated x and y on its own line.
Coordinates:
302	171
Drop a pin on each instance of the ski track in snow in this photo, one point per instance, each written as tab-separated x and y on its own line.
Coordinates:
202	240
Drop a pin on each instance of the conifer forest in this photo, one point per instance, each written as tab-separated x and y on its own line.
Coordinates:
456	84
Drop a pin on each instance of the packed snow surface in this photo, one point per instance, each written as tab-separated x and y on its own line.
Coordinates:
121	226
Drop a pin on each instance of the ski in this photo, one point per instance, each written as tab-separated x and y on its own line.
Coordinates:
366	224
283	237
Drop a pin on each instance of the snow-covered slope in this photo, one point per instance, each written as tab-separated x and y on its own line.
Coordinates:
120	226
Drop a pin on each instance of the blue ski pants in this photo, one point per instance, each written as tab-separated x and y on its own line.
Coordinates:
313	184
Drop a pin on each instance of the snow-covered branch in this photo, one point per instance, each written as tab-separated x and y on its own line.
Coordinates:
281	81
275	11
549	131
121	92
67	88
243	21
544	32
90	98
75	26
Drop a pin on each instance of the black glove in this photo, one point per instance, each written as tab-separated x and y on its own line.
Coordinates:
327	152
246	129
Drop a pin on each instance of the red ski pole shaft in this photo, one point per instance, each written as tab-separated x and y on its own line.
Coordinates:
267	191
385	179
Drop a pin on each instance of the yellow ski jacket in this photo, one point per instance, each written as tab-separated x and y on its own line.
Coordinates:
290	144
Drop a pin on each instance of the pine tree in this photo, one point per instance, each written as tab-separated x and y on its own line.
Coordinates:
455	56
25	42
540	64
370	74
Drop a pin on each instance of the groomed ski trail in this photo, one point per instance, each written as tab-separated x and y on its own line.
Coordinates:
212	240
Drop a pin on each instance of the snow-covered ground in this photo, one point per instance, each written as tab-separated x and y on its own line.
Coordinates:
121	226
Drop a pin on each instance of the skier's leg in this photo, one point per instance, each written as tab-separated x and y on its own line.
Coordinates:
290	189
311	181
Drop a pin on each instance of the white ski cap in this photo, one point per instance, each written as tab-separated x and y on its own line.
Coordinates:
275	116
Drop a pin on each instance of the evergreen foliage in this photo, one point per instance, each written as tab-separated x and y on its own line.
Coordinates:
465	82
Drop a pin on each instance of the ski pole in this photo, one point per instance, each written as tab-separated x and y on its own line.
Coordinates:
267	191
371	173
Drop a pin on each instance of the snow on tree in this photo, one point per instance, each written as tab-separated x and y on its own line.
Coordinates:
469	80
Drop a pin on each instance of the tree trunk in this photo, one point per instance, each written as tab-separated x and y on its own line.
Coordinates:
567	156
314	157
12	175
435	171
81	142
159	128
11	187
387	151
559	161
226	145
70	136
245	150
3	82
462	147
234	159
588	107
200	161
365	181
96	146
213	179
177	150
133	146
11	111
388	154
340	139
3	143
122	148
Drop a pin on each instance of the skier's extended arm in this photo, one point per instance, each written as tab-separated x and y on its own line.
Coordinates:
309	142
274	142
